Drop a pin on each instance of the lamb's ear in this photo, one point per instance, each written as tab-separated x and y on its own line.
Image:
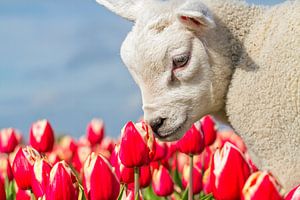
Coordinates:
124	8
195	15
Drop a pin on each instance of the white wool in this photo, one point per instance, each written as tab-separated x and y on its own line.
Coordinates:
244	63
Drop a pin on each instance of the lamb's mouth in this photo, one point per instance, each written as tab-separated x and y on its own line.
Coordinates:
170	134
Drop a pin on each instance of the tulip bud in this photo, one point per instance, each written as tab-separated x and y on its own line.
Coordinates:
22	166
197	178
82	152
137	145
162	182
124	174
61	181
229	172
40	177
2	190
261	185
294	194
41	136
95	131
144	177
8	140
229	136
192	142
97	171
209	129
206	182
129	195
5	167
53	158
160	150
108	144
23	194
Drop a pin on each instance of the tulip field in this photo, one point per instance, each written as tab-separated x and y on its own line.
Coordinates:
206	163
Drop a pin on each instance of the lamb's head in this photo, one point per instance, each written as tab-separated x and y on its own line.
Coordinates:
167	56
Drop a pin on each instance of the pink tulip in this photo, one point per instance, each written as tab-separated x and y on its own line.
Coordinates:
22	166
260	186
98	172
137	145
41	136
82	152
8	140
40	177
2	190
209	128
192	143
229	136
294	194
160	150
229	172
5	168
95	131
61	183
162	182
197	178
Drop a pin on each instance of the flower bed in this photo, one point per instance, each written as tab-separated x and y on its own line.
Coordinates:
137	166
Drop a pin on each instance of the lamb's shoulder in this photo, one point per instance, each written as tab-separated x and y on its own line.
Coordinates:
263	101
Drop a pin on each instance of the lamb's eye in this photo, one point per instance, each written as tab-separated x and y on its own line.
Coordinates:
180	61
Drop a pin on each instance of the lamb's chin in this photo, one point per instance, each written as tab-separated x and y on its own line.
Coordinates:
172	135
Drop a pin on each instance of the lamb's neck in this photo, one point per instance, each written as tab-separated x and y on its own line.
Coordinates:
235	19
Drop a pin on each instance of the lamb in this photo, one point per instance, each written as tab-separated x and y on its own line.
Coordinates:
236	61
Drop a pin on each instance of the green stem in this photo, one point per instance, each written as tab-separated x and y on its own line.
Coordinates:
191	178
136	182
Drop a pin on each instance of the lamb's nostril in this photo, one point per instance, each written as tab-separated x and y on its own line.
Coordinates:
157	123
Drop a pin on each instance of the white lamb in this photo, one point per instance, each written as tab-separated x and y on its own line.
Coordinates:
226	58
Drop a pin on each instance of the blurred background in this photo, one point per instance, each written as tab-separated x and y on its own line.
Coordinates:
60	60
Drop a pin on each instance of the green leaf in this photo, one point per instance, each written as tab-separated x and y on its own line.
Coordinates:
185	195
177	178
148	194
81	195
206	197
121	192
10	189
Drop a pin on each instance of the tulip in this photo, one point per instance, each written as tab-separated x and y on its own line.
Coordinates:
41	136
95	131
197	178
192	142
129	195
23	194
144	177
97	171
124	174
8	140
66	148
229	172
82	152
229	136
162	182
2	190
108	144
40	177
61	181
208	126
137	145
160	150
206	184
294	194
261	185
22	166
53	158
5	168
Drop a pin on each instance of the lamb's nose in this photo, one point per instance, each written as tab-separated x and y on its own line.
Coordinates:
156	123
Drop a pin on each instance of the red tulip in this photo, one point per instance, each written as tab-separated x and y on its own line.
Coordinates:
260	186
294	194
82	152
40	177
8	140
124	174
162	182
61	181
203	160
95	131
129	195
53	158
41	136
229	172
144	177
5	168
137	145
192	142
206	182
66	148
23	194
197	178
209	128
97	171
160	150
108	144
229	136
22	166
2	190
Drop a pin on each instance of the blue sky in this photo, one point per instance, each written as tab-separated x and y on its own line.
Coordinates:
59	59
